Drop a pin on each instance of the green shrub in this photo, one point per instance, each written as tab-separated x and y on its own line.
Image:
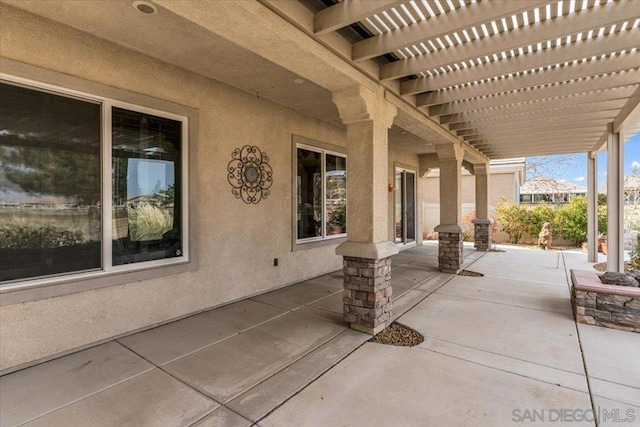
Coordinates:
571	220
513	219
21	235
537	216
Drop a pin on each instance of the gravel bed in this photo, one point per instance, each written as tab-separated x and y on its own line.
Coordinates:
399	335
470	273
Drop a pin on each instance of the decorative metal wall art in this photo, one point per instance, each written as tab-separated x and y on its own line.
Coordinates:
249	174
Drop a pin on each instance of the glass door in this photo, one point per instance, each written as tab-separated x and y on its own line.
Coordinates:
405	206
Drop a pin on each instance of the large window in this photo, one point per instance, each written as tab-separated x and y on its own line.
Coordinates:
87	185
321	188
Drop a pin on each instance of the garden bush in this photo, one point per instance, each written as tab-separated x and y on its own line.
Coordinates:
513	219
21	235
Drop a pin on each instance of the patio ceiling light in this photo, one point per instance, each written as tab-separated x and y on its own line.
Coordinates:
145	7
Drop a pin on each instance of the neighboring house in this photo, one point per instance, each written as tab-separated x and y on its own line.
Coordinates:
505	180
548	190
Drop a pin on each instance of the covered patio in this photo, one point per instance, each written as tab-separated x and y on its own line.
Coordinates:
212	205
498	349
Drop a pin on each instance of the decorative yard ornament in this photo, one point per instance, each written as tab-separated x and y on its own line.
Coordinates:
249	174
545	237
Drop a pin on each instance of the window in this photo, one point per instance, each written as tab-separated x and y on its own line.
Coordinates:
87	185
525	198
321	189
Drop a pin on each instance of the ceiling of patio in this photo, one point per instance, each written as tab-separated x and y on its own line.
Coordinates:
511	78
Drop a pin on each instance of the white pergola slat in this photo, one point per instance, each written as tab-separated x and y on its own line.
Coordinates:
523	37
531	123
511	77
475	14
536	138
529	61
509	116
608	81
572	71
623	92
509	133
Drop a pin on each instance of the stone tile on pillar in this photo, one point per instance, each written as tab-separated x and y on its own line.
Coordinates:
450	247
367	284
482	231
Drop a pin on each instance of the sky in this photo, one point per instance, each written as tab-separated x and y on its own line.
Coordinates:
573	168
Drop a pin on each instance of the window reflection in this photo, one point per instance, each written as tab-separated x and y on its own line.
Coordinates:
146	199
50	219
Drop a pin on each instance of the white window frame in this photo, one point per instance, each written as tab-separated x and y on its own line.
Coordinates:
107	105
323	153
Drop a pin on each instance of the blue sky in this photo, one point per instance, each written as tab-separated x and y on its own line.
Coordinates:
573	168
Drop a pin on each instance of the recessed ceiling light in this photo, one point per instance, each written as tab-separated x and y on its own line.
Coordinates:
404	132
298	81
145	7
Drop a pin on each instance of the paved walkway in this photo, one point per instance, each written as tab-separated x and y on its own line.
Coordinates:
499	350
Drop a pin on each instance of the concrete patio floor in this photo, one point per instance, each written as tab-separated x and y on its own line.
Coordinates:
499	350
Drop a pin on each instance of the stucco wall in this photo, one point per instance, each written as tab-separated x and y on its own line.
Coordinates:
234	244
500	185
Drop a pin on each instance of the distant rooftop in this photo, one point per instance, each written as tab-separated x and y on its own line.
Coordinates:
544	185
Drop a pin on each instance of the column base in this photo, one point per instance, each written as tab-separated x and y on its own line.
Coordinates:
482	231
367	285
450	247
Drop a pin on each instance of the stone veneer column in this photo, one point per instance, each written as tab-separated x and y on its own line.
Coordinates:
482	223
450	232
367	251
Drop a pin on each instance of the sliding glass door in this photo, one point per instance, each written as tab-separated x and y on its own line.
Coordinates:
405	206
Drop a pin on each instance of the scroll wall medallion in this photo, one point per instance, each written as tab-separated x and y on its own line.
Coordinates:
249	174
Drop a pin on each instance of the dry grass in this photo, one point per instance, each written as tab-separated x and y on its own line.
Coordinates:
147	222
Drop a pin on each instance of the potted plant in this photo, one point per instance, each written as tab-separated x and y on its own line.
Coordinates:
337	220
602	244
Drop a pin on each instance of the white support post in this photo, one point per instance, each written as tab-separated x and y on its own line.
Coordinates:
615	201
592	206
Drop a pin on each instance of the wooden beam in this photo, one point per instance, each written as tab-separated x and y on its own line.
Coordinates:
348	12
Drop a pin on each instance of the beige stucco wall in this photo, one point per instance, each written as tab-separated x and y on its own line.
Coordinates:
234	244
500	185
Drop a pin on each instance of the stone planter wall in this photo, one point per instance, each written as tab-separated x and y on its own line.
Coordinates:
611	306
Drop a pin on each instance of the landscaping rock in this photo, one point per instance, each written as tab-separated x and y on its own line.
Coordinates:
399	335
620	279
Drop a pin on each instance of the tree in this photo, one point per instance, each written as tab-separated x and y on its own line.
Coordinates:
550	167
631	197
54	172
